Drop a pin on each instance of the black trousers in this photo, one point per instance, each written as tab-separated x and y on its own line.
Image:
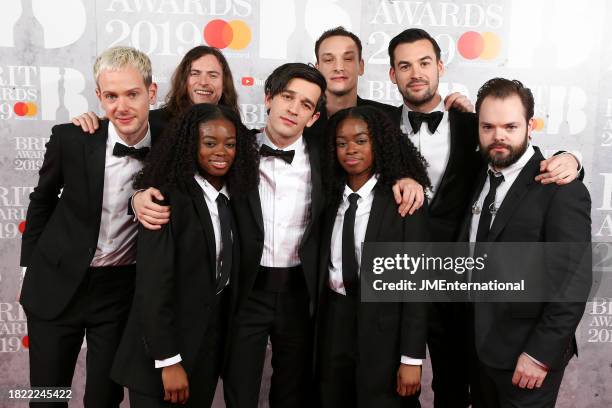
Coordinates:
338	360
447	340
280	312
207	369
98	312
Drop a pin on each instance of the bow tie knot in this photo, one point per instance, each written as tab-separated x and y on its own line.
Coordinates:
286	155
432	119
121	150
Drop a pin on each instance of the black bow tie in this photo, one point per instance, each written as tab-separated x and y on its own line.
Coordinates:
121	150
432	119
286	155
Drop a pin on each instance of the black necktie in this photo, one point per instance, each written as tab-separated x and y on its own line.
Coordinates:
432	119
121	150
484	224
286	155
349	260
225	218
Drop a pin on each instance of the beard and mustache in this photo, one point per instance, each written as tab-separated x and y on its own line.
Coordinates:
501	160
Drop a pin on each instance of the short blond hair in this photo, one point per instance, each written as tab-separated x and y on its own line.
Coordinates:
116	58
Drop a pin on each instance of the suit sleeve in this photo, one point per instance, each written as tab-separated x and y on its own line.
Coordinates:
154	297
414	314
45	196
568	221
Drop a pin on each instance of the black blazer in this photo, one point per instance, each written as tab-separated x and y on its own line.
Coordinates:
532	212
61	232
248	215
448	205
175	292
386	331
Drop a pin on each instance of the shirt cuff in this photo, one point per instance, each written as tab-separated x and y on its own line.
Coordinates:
132	204
544	366
411	361
168	361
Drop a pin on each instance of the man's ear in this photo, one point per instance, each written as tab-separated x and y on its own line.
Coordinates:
392	75
531	124
268	101
441	68
152	93
313	119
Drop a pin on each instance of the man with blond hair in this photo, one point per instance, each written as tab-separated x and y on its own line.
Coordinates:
79	244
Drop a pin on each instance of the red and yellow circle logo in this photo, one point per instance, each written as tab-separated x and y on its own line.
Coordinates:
472	45
235	34
25	109
538	125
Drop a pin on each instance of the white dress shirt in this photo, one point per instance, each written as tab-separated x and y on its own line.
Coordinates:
117	236
362	216
210	198
510	174
435	147
285	194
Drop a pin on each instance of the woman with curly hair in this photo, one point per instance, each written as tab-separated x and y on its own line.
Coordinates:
173	349
368	354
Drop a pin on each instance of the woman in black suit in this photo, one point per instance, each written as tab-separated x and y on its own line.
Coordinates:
172	350
368	354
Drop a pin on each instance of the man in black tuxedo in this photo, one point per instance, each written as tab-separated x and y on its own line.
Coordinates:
522	348
448	140
79	242
278	226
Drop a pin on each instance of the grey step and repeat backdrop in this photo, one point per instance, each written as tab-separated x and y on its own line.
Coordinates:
560	49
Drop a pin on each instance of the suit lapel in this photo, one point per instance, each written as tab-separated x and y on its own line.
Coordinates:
464	231
197	196
447	177
255	205
316	184
377	213
328	229
95	159
519	188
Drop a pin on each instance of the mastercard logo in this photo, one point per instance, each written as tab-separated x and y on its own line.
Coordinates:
235	34
25	109
539	124
472	45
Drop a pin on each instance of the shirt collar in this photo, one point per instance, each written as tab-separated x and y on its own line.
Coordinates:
262	138
113	137
516	167
209	191
364	191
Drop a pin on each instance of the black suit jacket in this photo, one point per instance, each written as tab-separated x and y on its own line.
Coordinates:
448	205
532	212
248	215
175	292
386	331
61	232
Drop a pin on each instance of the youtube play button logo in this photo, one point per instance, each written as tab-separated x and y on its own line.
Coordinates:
248	81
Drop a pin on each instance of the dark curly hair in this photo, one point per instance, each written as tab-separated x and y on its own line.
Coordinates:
174	159
395	157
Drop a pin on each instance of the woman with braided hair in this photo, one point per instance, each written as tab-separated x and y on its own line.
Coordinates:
173	349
